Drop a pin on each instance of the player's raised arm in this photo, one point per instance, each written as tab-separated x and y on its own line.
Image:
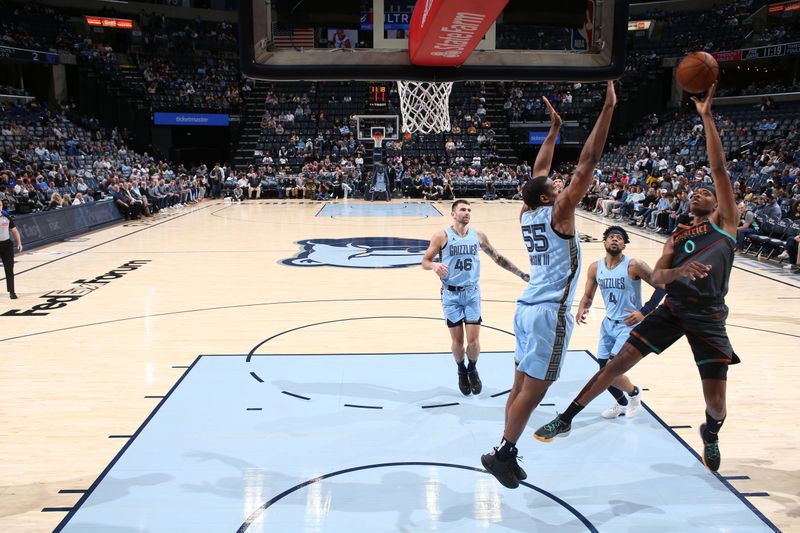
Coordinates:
727	214
438	240
501	260
588	294
544	159
564	209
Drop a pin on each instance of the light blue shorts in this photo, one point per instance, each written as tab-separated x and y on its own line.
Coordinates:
462	306
543	332
613	334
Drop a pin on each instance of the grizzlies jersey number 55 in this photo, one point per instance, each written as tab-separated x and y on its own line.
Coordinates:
555	259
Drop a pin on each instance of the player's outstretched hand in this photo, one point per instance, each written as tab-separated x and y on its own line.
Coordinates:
633	317
555	118
611	95
440	269
694	270
580	316
704	106
526	277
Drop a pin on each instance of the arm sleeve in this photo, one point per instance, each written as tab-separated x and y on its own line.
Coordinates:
653	302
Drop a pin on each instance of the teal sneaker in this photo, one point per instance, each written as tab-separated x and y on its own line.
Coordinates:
548	432
711	455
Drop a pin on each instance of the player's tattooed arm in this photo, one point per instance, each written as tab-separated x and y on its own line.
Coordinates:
638	269
500	259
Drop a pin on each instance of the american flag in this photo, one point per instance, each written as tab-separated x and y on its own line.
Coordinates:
294	38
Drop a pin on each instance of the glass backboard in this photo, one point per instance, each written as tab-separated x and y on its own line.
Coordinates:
568	40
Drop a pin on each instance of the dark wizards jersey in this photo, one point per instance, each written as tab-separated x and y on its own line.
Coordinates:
704	243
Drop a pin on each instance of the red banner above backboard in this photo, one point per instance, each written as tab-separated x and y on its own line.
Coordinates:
103	22
443	33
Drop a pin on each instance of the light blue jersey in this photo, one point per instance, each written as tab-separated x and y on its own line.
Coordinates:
461	257
555	260
543	321
619	291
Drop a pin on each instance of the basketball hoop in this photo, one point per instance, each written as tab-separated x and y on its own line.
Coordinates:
425	106
377	137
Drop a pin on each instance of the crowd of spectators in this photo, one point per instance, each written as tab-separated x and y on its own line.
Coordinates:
421	178
51	161
36	26
523	102
762	86
307	122
207	82
653	191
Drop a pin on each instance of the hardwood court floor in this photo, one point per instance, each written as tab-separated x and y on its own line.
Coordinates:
209	280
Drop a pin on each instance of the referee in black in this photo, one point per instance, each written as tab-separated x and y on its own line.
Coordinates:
7	227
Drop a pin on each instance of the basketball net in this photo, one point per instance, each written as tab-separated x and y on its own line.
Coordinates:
425	106
378	139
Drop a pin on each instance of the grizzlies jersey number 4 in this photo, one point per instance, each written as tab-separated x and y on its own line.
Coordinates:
461	257
555	260
619	291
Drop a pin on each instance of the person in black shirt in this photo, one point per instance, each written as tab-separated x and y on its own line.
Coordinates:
127	207
406	183
695	268
338	189
8	228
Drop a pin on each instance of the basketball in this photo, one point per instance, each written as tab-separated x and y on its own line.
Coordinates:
697	71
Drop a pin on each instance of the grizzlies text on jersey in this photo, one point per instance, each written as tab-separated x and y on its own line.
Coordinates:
461	257
619	291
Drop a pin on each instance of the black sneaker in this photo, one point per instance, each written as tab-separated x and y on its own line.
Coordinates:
711	455
503	471
520	473
463	383
548	432
475	382
12	295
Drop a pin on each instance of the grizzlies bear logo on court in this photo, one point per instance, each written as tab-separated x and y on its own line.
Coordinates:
360	252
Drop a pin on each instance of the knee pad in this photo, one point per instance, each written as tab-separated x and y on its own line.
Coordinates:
714	371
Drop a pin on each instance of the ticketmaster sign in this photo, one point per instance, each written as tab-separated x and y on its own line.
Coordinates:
538	137
190	119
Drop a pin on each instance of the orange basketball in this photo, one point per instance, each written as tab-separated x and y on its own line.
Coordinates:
697	72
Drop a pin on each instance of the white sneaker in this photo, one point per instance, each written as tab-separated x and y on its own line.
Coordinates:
614	412
634	406
783	255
